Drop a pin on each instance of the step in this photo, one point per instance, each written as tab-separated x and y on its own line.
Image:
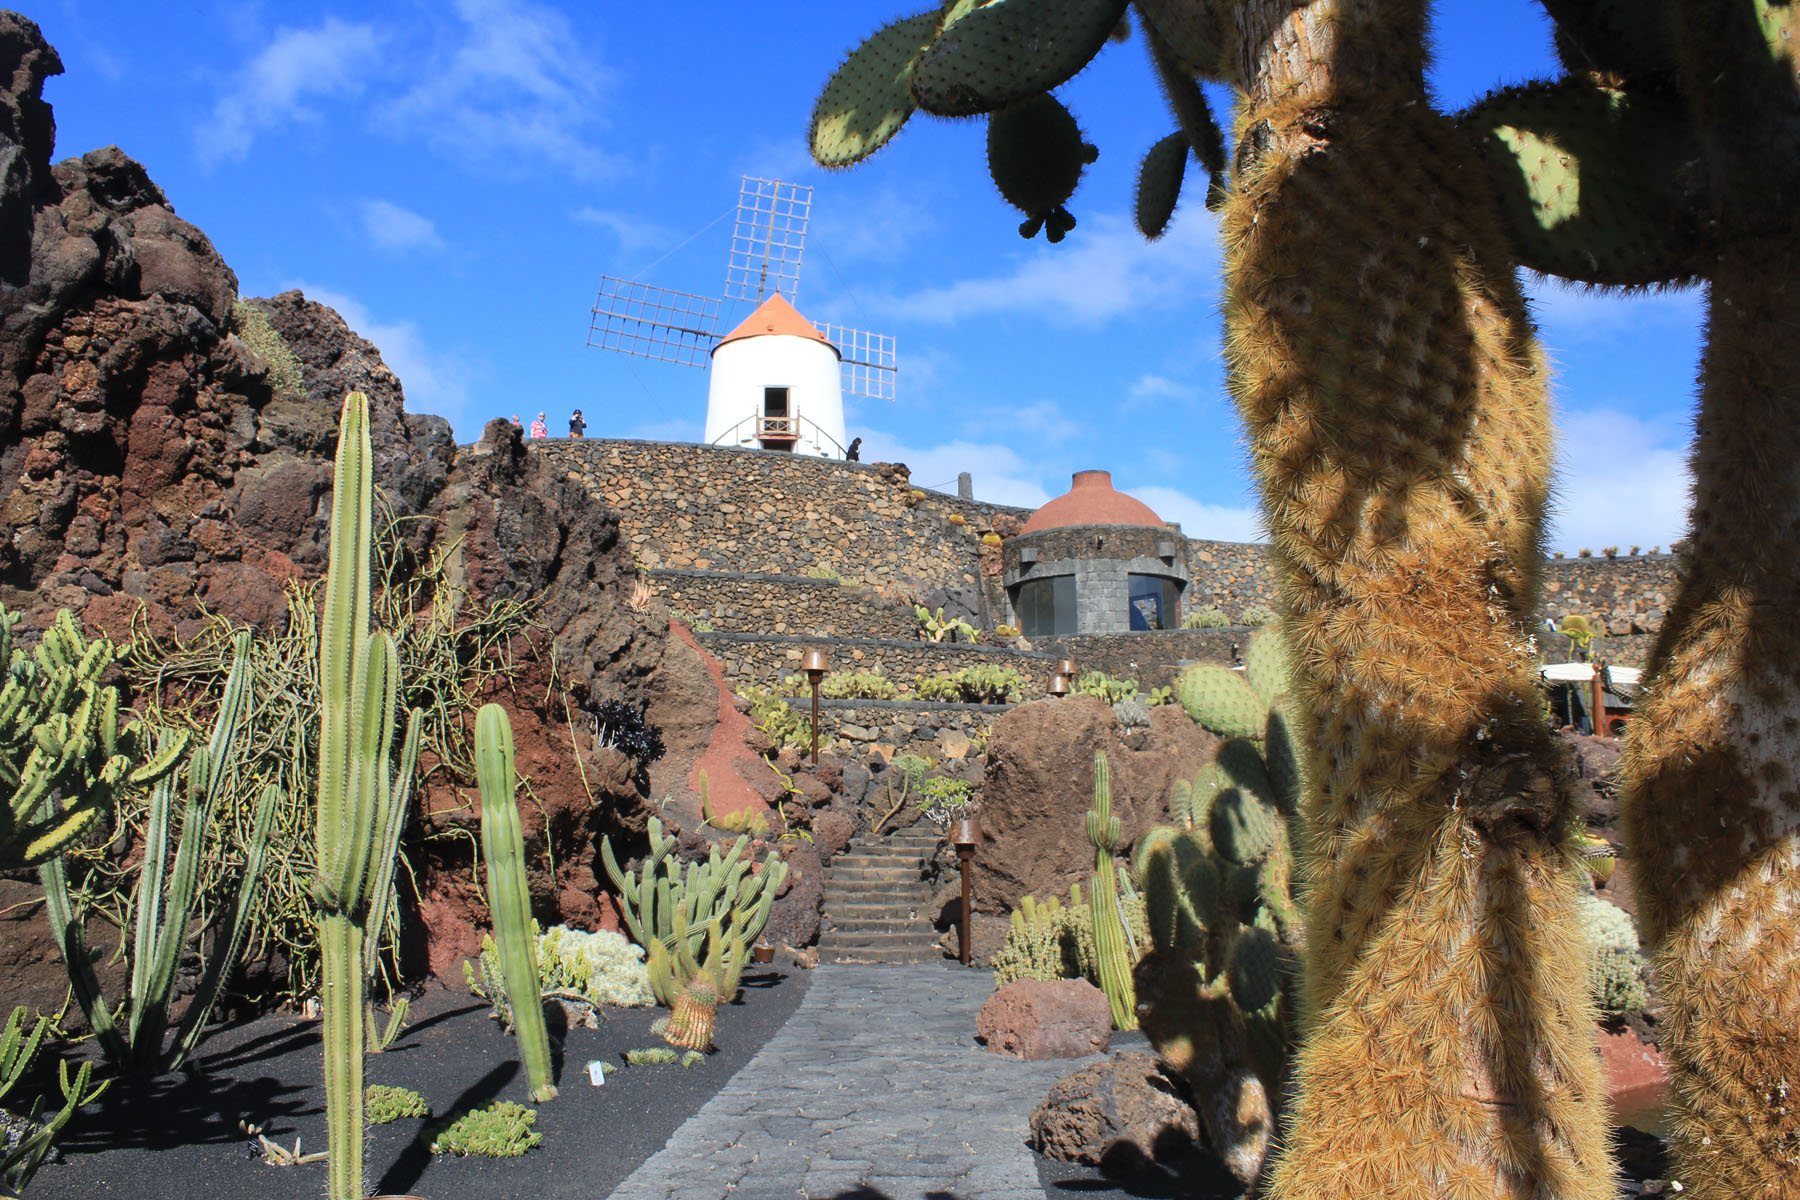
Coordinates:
861	926
838	901
859	909
882	957
919	935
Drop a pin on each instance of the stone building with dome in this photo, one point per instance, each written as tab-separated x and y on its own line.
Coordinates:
1095	560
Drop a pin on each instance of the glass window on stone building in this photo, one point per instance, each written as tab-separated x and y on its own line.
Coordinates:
1046	607
1155	602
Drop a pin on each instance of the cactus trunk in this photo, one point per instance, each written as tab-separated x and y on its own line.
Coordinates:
358	687
509	897
1712	817
1382	357
1112	948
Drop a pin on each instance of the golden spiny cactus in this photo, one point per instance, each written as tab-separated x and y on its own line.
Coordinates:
1382	357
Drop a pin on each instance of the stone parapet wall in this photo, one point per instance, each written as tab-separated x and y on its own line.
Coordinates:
787	604
1632	593
763	660
769	513
1152	658
1231	576
938	731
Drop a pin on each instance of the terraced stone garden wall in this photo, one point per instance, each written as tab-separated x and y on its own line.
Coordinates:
737	602
763	660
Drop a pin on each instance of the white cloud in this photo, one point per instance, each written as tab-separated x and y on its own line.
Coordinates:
1621	481
633	233
1211	522
1159	387
273	87
391	227
513	79
1105	269
1568	314
1001	476
435	382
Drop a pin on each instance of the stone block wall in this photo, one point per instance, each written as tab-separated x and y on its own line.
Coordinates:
938	731
769	513
764	660
786	604
1632	593
1152	657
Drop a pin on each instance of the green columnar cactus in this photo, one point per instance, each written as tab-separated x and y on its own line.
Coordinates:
358	788
1112	944
503	850
672	914
64	756
164	900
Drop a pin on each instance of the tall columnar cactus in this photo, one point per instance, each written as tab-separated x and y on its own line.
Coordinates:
672	913
509	898
64	755
164	899
1111	942
358	788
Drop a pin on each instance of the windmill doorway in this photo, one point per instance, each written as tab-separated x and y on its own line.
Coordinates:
777	429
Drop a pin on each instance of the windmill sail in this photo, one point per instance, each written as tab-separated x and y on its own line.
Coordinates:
768	239
654	322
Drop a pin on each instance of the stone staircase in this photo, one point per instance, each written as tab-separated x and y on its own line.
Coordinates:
875	902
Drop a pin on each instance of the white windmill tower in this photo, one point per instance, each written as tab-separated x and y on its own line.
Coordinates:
778	380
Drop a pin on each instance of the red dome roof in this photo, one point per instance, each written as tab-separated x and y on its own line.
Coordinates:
1092	500
775	315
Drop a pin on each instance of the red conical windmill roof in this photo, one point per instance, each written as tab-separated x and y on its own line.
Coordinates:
774	315
1092	500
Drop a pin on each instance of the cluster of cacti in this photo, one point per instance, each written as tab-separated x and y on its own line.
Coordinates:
1003	60
166	897
1114	954
751	819
509	895
501	1130
984	684
362	796
604	966
652	1056
25	1140
703	918
1237	704
1053	940
383	1104
64	756
935	627
1218	992
1208	617
1615	962
1382	356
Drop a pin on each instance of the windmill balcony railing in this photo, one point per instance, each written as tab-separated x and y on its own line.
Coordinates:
793	428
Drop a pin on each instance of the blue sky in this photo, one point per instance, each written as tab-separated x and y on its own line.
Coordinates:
456	176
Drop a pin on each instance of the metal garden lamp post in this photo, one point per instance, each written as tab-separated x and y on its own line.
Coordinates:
964	833
1066	668
1059	685
814	664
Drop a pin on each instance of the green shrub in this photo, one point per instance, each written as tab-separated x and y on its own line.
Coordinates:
1615	963
286	379
1205	618
1257	614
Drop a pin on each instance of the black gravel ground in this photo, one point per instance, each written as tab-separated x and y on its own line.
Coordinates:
178	1137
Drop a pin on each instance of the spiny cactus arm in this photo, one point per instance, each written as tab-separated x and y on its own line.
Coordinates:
503	848
1598	184
71	940
228	946
165	899
17	1049
993	55
393	825
869	97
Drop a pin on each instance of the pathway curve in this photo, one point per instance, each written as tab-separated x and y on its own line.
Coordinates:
874	1089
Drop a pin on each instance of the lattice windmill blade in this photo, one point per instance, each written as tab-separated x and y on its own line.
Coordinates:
870	367
654	322
768	240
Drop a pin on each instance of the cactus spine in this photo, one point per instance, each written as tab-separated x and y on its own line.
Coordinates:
1112	944
503	850
163	902
358	788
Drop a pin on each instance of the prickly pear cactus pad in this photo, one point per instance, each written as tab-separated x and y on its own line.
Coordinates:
996	54
870	97
1382	358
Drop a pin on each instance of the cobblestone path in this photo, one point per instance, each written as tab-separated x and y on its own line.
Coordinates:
875	1089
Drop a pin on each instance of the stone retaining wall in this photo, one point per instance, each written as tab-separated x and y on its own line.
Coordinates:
1631	593
763	660
771	513
1152	658
940	731
736	603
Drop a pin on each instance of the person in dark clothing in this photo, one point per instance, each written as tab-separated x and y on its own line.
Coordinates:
854	453
577	426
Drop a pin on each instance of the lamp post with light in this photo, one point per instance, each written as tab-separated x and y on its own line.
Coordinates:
814	664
